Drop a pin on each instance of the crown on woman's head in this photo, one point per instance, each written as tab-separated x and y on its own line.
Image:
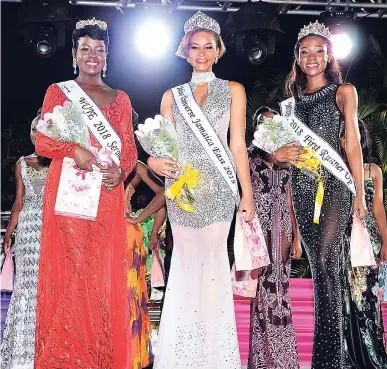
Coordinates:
315	28
201	21
91	22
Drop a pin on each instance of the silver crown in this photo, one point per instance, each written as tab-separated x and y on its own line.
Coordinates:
315	28
201	21
91	22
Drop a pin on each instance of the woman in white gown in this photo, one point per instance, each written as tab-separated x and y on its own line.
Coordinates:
198	327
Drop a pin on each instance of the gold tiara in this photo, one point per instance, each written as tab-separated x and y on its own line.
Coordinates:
91	22
315	28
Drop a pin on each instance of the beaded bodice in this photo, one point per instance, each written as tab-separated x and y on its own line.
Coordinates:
319	111
33	181
213	198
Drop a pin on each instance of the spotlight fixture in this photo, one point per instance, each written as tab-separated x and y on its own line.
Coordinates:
344	32
252	32
44	25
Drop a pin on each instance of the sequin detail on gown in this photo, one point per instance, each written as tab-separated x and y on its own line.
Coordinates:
212	189
198	328
272	336
18	346
324	243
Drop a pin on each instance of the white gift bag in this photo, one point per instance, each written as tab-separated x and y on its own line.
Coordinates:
78	192
361	248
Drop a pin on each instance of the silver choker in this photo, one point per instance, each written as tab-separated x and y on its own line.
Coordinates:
202	77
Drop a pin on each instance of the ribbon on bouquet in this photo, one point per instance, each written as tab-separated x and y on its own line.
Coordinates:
251	253
189	178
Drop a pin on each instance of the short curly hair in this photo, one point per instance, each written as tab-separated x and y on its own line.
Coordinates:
92	31
183	48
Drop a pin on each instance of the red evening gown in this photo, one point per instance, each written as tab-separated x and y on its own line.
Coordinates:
83	317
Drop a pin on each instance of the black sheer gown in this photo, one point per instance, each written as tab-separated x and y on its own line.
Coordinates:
325	242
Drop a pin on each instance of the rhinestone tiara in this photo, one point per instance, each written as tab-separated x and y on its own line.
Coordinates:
201	21
315	28
91	22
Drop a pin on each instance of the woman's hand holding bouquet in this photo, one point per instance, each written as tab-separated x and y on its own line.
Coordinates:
158	138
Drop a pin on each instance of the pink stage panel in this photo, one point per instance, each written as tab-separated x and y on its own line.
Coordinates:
301	292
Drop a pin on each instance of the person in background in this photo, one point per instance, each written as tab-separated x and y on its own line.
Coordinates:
367	331
272	335
138	293
18	346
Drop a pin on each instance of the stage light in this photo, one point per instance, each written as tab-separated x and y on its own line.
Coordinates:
44	25
252	32
153	38
344	32
257	52
342	45
45	41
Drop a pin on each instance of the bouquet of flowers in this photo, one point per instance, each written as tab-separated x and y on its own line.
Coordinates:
274	133
65	124
79	190
158	138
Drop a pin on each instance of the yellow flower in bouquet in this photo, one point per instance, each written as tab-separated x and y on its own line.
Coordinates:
189	180
312	165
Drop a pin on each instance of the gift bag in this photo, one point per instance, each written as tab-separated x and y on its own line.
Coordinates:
361	250
251	253
78	191
7	274
157	269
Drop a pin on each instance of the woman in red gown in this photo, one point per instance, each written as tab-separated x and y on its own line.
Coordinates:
82	307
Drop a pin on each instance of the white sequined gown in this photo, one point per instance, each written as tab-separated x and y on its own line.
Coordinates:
198	327
18	347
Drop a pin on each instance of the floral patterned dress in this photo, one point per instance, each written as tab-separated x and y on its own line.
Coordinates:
272	336
366	295
138	293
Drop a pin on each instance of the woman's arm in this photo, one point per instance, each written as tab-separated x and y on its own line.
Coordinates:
158	222
378	206
347	96
155	185
17	207
46	146
297	250
165	167
238	146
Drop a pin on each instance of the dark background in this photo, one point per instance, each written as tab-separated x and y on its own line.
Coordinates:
26	76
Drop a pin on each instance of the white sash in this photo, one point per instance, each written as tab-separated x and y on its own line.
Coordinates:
330	159
98	125
206	135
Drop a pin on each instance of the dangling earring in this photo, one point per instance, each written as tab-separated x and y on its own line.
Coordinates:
104	69
74	65
216	60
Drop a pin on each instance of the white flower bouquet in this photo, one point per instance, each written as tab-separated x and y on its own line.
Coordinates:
65	124
272	134
158	138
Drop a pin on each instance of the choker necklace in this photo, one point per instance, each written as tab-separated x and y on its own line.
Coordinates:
202	77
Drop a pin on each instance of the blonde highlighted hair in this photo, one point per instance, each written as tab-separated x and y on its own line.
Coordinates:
183	49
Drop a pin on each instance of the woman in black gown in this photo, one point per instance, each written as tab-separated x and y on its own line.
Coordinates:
328	108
